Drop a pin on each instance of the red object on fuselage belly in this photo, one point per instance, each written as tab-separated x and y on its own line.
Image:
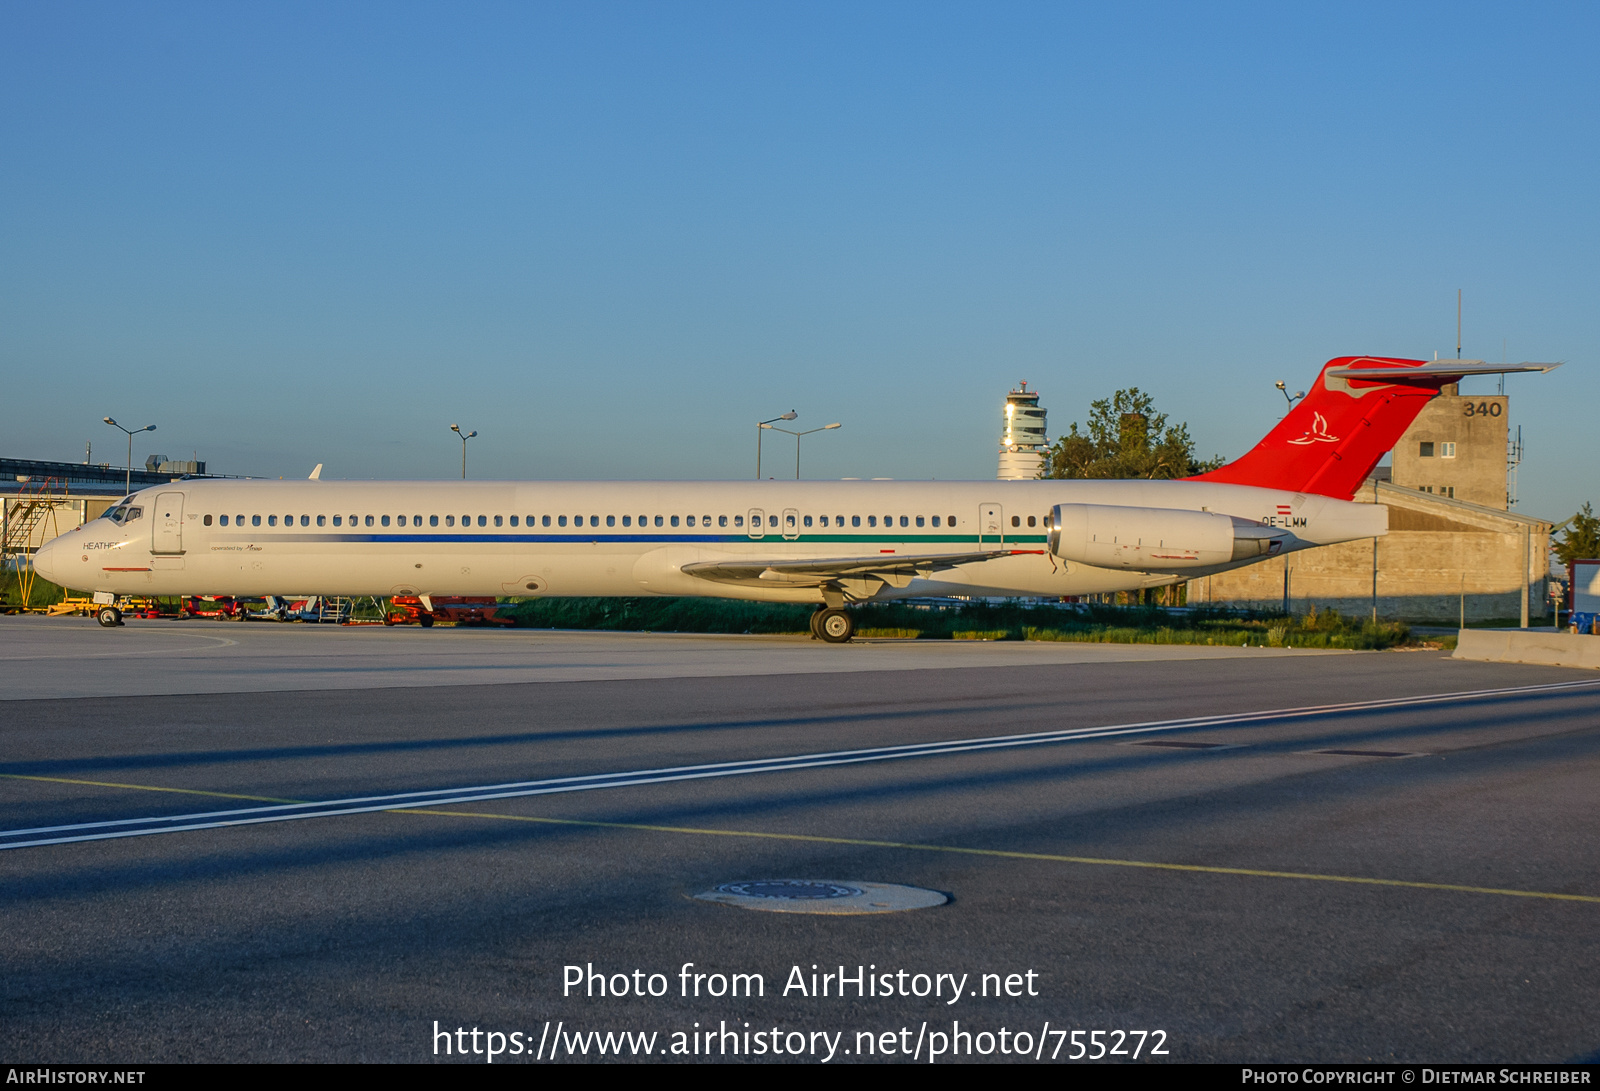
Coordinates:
1335	435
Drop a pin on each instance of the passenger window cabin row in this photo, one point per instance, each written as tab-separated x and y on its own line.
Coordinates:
790	522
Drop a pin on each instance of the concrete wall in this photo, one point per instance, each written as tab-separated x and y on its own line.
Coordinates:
1436	552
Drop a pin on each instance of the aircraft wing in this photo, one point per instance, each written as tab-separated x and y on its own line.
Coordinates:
893	568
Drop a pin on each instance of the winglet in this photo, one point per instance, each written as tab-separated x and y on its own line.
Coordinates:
316	474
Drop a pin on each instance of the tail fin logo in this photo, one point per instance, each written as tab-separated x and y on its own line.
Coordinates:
1317	433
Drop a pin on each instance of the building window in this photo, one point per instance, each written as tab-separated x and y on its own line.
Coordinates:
1447	450
1425	450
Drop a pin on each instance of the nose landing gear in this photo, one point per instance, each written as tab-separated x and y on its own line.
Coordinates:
833	625
109	616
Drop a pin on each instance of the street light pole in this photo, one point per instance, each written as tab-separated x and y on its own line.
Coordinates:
127	486
790	415
797	435
456	428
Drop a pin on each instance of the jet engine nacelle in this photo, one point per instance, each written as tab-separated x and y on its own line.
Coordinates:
1155	539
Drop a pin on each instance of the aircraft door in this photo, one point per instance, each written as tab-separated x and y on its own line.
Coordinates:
991	526
758	523
791	523
166	529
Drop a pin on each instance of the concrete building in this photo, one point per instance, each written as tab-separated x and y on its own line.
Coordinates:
1456	448
1023	446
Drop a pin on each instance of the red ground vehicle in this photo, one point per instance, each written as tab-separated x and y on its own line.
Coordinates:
461	609
213	606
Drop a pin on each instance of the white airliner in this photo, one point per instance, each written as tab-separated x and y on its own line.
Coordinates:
828	543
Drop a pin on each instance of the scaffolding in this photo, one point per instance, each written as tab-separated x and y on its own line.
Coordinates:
32	513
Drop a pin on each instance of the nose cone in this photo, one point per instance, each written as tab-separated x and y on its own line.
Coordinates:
47	560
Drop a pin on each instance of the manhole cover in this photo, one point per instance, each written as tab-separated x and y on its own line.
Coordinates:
821	896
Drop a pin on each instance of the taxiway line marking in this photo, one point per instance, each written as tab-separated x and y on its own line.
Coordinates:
1207	869
147	788
285	812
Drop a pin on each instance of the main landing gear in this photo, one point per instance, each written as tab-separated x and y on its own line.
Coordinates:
833	625
109	616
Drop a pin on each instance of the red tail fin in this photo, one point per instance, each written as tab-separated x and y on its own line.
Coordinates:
1335	435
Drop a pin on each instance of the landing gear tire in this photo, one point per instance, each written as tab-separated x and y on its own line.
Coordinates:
816	616
835	626
425	620
109	616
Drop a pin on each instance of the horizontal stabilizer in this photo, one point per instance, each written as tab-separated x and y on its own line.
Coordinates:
1435	371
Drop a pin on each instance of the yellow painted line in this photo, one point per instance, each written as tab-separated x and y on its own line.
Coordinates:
147	788
1258	873
1097	861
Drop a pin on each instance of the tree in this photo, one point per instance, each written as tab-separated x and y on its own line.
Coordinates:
1581	540
1126	438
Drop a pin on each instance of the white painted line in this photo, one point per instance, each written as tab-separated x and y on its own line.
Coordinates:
438	797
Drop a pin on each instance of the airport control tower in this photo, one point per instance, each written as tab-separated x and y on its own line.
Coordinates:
1023	447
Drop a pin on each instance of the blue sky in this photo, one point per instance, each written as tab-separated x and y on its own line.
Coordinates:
610	237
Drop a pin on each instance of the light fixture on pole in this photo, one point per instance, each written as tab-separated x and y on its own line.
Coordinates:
790	415
797	435
128	484
456	428
1285	392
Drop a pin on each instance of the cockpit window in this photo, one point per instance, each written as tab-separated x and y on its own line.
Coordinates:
120	513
